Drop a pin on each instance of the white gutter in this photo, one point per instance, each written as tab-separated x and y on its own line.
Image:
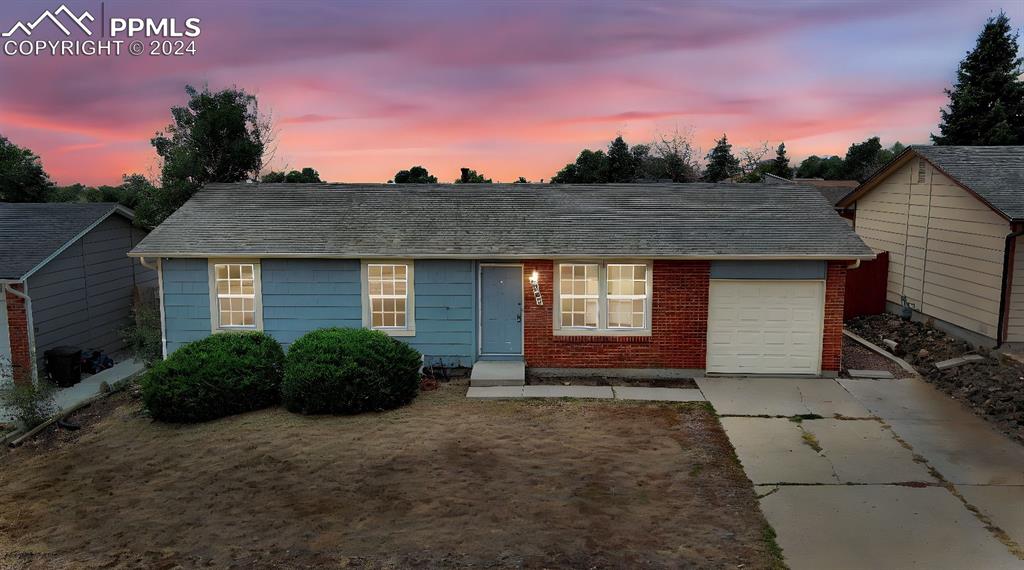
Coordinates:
29	324
476	256
160	291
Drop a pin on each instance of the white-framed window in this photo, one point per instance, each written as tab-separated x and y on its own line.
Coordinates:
627	295
235	299
578	301
603	298
388	297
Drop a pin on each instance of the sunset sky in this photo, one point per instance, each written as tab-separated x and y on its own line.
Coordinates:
361	90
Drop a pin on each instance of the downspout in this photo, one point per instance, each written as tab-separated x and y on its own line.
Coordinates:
854	265
29	324
1004	297
160	291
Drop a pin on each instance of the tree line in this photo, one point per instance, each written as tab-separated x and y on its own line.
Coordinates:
223	136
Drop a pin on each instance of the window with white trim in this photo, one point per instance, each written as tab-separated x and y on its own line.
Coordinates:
627	296
235	293
578	288
388	287
603	298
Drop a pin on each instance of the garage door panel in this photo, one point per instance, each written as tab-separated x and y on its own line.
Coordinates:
765	327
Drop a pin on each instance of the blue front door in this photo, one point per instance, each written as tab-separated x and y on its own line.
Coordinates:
501	310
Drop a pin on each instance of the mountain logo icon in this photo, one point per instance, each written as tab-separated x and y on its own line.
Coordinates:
28	28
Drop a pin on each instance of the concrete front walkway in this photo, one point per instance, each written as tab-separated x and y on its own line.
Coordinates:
875	473
587	392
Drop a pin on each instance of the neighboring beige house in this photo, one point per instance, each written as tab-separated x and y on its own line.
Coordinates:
950	217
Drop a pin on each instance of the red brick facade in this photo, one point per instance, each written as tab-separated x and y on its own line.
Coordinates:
17	322
678	326
832	339
678	336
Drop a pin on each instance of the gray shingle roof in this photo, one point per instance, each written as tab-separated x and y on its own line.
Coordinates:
29	233
505	221
994	173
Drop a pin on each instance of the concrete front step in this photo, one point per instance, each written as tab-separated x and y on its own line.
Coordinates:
498	373
487	383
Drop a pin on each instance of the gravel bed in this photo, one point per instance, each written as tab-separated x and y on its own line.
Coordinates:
992	388
858	357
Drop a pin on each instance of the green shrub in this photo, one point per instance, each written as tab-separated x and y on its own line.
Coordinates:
30	403
347	371
142	338
220	375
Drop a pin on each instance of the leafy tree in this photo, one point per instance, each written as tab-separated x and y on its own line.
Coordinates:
305	176
721	162
986	104
591	167
522	180
470	176
415	175
22	178
862	159
780	166
830	168
133	190
73	193
216	137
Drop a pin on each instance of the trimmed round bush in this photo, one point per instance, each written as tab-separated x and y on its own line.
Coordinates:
220	375
348	371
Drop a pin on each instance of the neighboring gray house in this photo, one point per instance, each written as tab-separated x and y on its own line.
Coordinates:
65	278
722	278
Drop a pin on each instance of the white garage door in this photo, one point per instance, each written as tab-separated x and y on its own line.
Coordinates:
765	327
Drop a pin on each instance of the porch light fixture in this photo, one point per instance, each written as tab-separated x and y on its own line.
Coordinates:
535	285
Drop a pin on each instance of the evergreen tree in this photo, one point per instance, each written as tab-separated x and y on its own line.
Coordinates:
780	166
721	163
986	105
622	165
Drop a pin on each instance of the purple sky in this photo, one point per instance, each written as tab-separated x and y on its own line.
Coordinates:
361	90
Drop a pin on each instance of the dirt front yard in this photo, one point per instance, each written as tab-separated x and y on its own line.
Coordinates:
444	482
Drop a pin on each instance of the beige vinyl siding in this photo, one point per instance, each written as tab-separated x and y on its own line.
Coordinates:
1015	316
945	246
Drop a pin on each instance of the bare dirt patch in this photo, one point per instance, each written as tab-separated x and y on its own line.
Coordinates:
992	388
444	482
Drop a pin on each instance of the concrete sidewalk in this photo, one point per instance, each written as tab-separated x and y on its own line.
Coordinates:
90	386
885	477
587	392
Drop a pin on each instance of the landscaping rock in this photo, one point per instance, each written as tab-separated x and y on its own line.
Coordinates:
960	361
891	344
992	387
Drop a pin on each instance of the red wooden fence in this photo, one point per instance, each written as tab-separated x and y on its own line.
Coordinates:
865	288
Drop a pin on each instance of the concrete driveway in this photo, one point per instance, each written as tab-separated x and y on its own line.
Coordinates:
875	473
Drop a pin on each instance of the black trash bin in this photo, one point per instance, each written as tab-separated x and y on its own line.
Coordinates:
63	365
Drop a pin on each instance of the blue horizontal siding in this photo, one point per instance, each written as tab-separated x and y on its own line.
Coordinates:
300	295
186	301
